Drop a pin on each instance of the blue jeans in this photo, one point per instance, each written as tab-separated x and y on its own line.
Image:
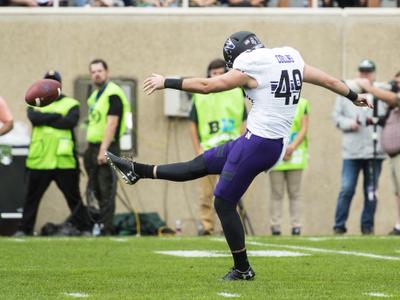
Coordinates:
351	168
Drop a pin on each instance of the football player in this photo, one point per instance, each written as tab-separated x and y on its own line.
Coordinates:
272	79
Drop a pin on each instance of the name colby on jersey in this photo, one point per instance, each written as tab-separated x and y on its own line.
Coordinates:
279	74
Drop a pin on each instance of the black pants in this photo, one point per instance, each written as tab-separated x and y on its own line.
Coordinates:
103	182
67	181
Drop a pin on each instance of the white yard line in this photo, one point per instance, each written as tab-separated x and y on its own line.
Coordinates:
77	295
228	295
214	253
18	240
322	250
194	253
333	238
313	249
375	294
275	253
120	240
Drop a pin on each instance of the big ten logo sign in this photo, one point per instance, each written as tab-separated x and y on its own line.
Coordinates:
223	125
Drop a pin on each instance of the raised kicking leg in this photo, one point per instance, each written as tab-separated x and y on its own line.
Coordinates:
131	171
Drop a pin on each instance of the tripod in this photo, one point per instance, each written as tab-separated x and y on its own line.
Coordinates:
372	167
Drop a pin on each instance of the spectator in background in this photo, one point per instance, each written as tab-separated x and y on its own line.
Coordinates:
6	118
106	3
203	3
358	154
351	3
290	171
158	3
247	3
257	3
216	118
52	156
391	135
108	109
30	3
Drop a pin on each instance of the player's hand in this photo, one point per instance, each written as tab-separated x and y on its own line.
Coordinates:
362	101
101	158
289	151
364	83
152	83
287	157
355	126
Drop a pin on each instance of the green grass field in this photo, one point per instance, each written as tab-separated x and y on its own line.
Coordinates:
130	268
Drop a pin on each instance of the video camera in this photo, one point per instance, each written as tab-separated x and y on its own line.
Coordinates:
388	86
395	88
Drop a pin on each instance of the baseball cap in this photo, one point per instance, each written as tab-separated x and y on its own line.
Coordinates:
366	65
52	74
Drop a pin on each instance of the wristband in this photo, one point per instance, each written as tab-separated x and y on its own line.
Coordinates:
173	83
352	96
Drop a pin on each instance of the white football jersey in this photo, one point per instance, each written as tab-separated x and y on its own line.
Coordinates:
279	74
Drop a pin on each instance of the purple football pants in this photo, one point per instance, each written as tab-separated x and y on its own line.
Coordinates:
238	162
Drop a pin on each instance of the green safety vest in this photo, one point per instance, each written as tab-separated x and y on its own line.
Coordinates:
53	148
98	110
219	116
299	158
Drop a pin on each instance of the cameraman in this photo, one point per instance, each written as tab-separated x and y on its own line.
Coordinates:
360	153
391	134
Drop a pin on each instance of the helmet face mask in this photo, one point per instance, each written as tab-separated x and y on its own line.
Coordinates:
238	43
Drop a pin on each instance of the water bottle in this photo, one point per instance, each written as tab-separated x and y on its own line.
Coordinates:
5	155
178	227
96	229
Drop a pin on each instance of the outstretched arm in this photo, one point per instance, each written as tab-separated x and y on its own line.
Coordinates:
318	77
225	82
389	97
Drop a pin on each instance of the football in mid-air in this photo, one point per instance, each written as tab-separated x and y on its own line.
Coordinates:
43	92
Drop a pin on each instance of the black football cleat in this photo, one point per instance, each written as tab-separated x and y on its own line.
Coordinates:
235	274
124	167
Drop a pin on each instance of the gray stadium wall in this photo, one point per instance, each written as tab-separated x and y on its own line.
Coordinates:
138	42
